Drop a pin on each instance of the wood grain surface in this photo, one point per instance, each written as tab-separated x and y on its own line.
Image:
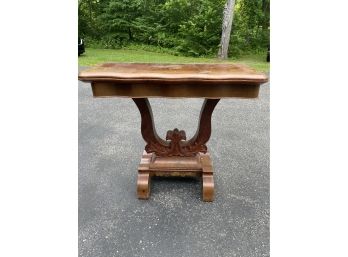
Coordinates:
136	72
138	80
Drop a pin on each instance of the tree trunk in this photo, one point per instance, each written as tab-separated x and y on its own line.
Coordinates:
130	34
226	29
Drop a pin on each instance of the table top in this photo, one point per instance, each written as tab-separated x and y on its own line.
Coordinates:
149	72
173	80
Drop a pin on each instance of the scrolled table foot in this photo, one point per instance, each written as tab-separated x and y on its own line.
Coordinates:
208	187
207	178
143	185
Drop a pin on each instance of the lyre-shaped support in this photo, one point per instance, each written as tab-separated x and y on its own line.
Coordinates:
177	146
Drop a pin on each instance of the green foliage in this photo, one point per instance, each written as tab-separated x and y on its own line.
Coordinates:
250	32
186	27
199	33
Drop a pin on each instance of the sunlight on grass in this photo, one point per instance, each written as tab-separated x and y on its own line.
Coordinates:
96	56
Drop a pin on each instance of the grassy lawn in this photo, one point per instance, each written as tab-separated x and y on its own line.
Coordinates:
95	56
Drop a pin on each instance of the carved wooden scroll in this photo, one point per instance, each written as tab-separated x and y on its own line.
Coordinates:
175	143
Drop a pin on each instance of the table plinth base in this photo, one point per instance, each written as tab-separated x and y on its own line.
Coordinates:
199	165
175	155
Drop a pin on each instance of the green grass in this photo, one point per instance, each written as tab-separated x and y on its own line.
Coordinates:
96	56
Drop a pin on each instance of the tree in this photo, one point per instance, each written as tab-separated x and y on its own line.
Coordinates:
183	27
226	29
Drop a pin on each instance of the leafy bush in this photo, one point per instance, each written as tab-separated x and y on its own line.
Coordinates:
185	27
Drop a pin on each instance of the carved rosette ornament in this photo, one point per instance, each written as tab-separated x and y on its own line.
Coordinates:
175	143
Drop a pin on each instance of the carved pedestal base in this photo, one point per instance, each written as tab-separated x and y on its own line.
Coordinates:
175	156
199	165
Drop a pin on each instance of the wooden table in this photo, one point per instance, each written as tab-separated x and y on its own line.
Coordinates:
174	155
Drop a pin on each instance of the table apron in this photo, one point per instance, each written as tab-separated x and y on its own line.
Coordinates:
111	89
